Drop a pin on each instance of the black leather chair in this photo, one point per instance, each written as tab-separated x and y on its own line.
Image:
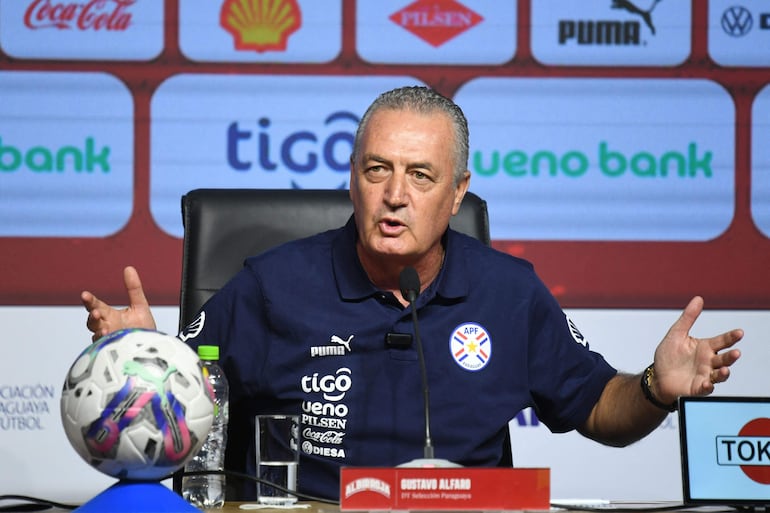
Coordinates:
222	227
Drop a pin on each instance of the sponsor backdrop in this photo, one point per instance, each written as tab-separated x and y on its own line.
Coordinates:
620	145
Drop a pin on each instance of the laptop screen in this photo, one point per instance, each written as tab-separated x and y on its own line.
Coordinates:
725	444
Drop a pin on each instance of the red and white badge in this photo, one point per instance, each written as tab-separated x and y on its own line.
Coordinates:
471	346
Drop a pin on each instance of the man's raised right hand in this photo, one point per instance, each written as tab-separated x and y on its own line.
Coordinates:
104	319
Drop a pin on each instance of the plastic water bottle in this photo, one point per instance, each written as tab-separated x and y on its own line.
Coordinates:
208	491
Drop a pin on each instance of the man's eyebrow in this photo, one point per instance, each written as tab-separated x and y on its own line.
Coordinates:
373	157
369	157
421	165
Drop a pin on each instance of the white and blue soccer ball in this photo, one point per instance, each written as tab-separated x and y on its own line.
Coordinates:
135	404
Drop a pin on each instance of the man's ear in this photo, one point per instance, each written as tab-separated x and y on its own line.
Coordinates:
460	189
352	177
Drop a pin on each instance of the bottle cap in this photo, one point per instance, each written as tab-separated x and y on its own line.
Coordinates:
208	352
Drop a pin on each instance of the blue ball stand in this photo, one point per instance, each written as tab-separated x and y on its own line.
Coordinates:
137	497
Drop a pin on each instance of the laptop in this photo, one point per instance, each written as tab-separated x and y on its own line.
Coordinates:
725	448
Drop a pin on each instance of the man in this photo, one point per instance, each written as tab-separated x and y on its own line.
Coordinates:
495	339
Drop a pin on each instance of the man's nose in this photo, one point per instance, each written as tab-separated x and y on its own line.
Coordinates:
396	190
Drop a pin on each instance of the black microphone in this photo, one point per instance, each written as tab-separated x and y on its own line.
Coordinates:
409	283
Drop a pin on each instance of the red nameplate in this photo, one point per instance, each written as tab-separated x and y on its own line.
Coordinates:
408	488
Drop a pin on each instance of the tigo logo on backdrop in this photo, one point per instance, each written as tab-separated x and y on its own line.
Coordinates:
57	161
301	151
571	159
436	21
261	25
93	29
306	31
247	131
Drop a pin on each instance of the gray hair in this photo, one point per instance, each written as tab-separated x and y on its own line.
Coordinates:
422	100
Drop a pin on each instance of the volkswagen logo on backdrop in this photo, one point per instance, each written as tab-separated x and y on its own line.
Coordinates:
737	21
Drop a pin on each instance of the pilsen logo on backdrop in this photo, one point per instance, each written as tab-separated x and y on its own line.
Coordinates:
24	406
436	21
93	15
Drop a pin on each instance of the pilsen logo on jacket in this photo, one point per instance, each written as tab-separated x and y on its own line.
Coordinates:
471	346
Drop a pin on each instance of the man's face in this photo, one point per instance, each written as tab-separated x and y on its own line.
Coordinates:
402	186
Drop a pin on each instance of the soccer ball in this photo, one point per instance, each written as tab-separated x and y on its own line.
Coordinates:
136	406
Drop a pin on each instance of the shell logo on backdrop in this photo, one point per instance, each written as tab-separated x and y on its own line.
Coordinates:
261	25
300	31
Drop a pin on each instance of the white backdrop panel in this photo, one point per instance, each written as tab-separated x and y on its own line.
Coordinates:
40	344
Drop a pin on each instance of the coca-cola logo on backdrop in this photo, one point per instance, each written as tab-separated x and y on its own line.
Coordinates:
93	15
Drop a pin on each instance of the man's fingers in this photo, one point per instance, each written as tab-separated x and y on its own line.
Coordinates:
692	311
94	321
134	287
689	315
88	300
93	304
726	340
98	334
725	359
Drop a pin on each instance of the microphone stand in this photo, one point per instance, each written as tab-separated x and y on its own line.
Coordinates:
410	287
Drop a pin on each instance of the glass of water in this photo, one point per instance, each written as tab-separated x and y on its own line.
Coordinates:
277	458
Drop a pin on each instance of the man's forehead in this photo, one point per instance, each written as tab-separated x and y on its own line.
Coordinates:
406	110
390	121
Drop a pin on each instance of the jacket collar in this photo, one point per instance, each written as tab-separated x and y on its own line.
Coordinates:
353	284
